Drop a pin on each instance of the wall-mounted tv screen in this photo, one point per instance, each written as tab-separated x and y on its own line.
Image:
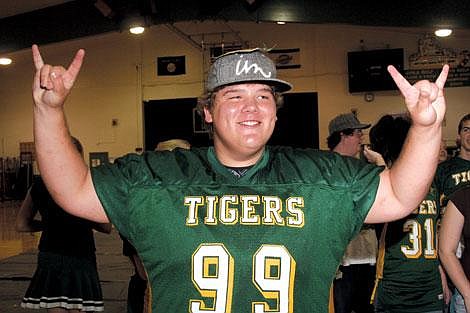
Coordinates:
367	70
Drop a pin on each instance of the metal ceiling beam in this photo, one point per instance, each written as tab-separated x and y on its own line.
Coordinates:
182	35
81	18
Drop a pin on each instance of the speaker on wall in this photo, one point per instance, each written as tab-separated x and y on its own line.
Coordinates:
367	70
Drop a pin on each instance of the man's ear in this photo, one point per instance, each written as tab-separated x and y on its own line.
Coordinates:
207	115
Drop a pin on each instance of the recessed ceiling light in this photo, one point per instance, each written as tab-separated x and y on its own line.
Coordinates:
5	61
280	22
137	30
134	23
443	32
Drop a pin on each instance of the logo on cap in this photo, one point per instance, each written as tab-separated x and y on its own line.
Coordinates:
246	68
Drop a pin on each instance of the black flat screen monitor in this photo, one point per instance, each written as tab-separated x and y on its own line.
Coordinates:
367	70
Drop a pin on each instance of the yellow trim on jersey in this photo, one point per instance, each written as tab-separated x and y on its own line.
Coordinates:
148	298
331	302
379	271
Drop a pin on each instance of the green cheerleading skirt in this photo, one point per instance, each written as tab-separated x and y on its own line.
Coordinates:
69	282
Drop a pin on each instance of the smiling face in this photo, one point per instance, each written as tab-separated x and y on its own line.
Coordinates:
354	141
243	118
350	143
464	139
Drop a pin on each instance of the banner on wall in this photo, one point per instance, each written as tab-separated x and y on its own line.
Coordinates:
427	61
458	77
285	58
171	65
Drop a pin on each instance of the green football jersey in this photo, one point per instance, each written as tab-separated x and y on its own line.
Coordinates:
411	280
451	175
269	241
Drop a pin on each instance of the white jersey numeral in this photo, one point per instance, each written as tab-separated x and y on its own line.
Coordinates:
213	271
273	275
415	250
212	274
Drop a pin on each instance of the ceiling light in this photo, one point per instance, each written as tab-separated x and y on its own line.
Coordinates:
135	23
5	61
136	30
280	23
443	32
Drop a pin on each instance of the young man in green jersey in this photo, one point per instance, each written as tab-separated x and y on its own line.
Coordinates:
239	226
408	271
452	175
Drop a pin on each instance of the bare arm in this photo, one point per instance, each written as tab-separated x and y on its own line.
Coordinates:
449	237
445	286
405	185
73	189
25	221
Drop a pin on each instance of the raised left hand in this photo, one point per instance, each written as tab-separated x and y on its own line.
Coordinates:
424	100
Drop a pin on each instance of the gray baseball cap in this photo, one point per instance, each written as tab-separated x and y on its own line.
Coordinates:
345	121
243	66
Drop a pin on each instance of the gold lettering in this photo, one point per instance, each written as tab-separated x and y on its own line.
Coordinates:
432	207
211	210
233	209
227	214
426	207
465	176
462	177
296	218
456	178
272	209
248	210
193	203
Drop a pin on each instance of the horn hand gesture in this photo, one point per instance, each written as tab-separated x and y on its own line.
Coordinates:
52	84
424	99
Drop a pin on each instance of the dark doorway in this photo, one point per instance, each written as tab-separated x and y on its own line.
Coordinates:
297	123
170	119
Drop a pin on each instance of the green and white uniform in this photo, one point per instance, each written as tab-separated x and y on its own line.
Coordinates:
452	175
269	241
409	263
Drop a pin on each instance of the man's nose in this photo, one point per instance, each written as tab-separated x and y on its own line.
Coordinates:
251	104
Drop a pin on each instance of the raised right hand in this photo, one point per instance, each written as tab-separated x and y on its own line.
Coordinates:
52	84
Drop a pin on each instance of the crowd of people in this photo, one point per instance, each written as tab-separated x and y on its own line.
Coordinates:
242	226
408	276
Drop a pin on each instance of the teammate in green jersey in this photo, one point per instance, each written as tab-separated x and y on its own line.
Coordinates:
408	273
237	227
452	175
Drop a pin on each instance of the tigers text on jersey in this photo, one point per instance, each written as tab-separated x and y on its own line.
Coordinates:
452	175
269	241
